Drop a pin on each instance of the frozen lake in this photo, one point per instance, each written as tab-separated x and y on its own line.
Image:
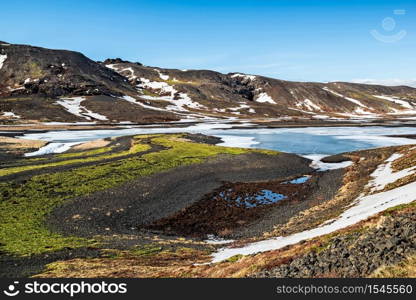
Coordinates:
303	141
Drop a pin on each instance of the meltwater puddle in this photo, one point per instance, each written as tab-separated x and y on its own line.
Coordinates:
263	197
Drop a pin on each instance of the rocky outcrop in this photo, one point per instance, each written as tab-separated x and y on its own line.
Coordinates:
118	61
357	254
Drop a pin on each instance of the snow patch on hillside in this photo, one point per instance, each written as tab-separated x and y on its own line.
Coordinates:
242	106
244	76
309	105
159	86
131	76
264	98
162	76
9	114
355	101
236	110
385	175
179	101
73	106
112	66
134	101
361	111
2	60
396	100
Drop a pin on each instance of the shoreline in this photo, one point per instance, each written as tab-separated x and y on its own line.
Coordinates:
132	214
256	123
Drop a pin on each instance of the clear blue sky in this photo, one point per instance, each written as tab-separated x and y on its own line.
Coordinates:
293	40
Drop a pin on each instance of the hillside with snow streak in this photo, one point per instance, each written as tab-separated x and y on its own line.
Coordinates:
388	187
39	76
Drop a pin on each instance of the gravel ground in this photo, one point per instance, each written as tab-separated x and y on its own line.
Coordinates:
323	188
123	209
19	267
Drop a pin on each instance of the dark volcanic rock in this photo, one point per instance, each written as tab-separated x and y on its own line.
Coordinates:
118	61
357	254
31	70
44	73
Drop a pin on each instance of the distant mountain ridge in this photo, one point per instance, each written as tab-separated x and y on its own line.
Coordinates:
38	84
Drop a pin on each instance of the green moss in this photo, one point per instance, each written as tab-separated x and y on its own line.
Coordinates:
235	258
148	93
85	153
391	210
33	69
174	81
25	205
146	250
97	151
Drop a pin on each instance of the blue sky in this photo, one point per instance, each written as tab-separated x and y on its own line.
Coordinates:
293	40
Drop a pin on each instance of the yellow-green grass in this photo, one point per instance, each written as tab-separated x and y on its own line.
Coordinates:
25	205
82	159
175	81
67	155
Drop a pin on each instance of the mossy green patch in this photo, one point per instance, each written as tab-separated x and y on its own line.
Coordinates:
235	258
391	210
175	81
62	156
25	205
138	251
149	93
33	69
85	153
146	250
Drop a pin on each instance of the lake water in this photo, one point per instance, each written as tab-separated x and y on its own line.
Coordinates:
303	141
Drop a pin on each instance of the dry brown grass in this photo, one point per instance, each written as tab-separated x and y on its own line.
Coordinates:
128	264
406	268
354	181
13	143
407	160
91	145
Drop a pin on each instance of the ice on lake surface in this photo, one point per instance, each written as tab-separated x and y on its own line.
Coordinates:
302	141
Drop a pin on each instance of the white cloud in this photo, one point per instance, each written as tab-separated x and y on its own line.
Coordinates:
389	82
